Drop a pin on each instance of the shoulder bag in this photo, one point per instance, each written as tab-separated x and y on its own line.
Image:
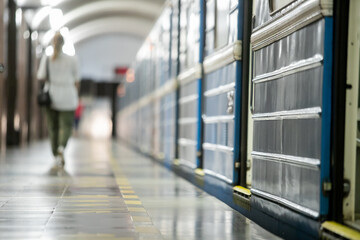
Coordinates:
43	97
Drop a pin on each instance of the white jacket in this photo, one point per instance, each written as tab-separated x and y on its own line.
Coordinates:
64	74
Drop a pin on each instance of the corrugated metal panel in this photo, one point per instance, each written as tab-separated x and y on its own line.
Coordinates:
288	94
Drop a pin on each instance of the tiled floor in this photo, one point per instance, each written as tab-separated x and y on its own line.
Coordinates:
108	192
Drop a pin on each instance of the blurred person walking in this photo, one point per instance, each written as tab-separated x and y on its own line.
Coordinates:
63	82
78	114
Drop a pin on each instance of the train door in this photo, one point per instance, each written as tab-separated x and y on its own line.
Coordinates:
188	93
221	90
291	46
351	203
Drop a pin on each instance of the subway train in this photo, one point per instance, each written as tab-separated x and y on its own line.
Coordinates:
257	103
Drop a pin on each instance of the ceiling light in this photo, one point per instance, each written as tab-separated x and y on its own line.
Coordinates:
50	2
40	16
56	19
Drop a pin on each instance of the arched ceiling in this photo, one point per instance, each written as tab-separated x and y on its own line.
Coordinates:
101	26
89	18
106	33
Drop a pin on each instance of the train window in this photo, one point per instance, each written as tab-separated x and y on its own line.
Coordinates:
189	34
222	22
174	40
234	3
233	29
210	27
193	37
184	31
276	5
210	15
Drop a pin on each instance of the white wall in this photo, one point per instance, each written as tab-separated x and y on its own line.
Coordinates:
99	56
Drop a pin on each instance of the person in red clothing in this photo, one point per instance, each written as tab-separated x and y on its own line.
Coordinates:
78	113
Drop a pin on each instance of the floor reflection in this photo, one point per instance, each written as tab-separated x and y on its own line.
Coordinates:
96	122
108	192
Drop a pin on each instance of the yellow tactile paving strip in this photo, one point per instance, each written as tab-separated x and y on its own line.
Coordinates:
82	236
133	203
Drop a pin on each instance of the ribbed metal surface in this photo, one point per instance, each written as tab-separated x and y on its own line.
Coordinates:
167	127
218	123
287	116
188	104
296	91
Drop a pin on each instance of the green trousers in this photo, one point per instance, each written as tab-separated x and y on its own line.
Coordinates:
60	127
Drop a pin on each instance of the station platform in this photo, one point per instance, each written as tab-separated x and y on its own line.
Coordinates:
108	191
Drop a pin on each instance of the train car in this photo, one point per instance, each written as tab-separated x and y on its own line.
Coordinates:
147	115
250	104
